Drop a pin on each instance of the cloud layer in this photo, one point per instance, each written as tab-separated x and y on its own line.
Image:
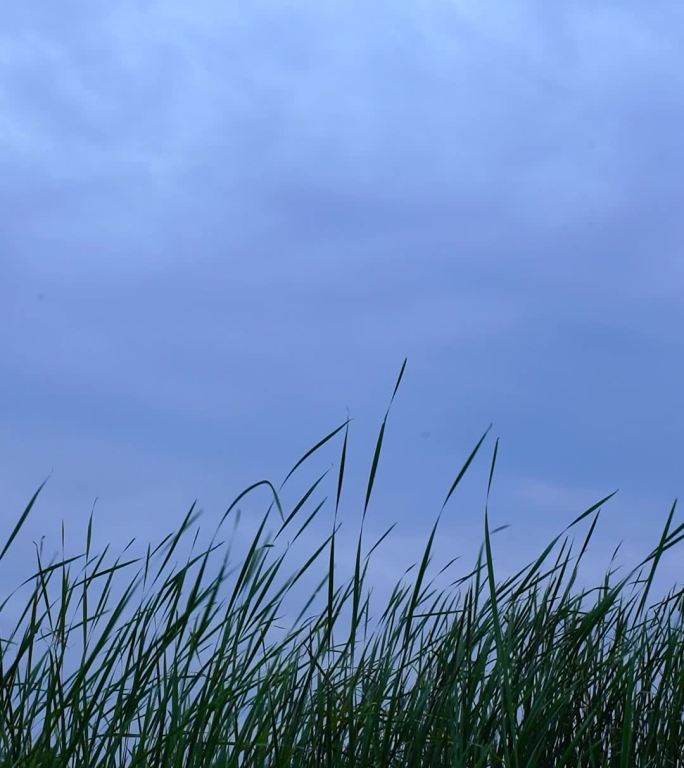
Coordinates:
223	224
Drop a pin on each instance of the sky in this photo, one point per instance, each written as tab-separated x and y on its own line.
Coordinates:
225	225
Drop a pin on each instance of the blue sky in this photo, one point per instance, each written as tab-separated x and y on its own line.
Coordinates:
224	226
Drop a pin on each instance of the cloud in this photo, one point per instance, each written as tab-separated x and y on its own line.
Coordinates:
315	123
243	216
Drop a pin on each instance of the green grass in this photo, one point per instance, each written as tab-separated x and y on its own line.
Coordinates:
181	657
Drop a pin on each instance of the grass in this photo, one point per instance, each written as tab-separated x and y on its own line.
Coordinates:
162	660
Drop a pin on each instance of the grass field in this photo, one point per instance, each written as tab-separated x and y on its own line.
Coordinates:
167	660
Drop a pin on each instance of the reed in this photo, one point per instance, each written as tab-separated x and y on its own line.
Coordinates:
159	660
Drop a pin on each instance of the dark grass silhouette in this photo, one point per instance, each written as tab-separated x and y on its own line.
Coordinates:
143	661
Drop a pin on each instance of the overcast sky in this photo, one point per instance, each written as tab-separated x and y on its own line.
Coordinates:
223	225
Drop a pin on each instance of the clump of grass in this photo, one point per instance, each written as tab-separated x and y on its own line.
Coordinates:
142	661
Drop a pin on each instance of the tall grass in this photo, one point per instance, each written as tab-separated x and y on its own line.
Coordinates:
147	661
